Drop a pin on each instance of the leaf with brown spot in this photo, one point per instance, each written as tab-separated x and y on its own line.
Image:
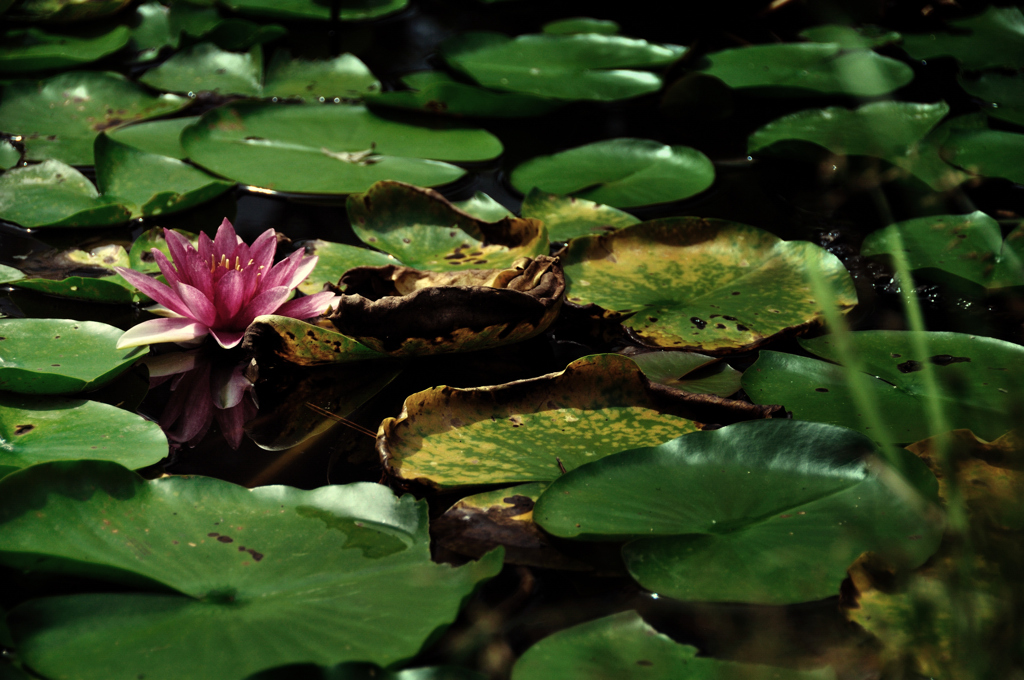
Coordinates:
302	343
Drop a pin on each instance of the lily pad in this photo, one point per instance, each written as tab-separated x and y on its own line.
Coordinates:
623	172
159	137
112	289
248	595
1002	95
61	116
438	92
60	356
422	229
821	68
483	207
534	430
850	37
352	10
303	343
343	76
690	372
979	380
328	149
580	25
52	194
366	671
337	258
37	429
32	49
770	512
63	11
584	66
897	132
989	153
207	68
991	39
706	285
149	184
567	217
407	312
10	274
623	646
10	155
968	246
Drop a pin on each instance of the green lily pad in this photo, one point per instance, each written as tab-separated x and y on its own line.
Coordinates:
623	646
822	68
32	49
991	39
328	149
61	116
149	184
110	289
52	194
968	246
705	285
423	230
483	207
1002	95
207	68
897	132
580	25
770	512
849	37
158	137
690	372
567	217
623	172
10	156
303	343
586	66
152	30
353	10
10	274
532	430
366	671
438	92
61	356
334	259
343	76
63	11
978	378
38	430
989	153
140	257
249	597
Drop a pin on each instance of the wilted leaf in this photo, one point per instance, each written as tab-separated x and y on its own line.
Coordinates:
337	258
302	343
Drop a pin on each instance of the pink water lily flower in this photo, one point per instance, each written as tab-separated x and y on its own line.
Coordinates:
220	288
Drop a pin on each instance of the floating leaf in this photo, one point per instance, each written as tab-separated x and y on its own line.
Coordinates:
327	149
991	39
9	274
39	429
1002	95
10	156
111	289
303	343
624	647
622	172
407	312
159	137
822	68
770	512
968	246
437	92
337	258
61	116
849	37
52	194
690	372
580	25
366	671
989	153
32	49
979	380
706	285
529	430
425	231
248	595
353	10
585	66
483	207
207	68
150	184
60	356
567	217
63	11
152	30
343	76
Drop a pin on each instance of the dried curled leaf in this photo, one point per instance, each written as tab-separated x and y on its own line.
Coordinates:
403	311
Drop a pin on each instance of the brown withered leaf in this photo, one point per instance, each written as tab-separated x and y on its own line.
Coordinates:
407	312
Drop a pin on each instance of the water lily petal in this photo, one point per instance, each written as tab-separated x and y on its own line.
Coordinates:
282	272
229	386
166	268
306	307
302	271
178	246
226	241
262	251
227	339
160	310
266	302
162	330
205	248
232	420
201	307
230	296
171	363
154	289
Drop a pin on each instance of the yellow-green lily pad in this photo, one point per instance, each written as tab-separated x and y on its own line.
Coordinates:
567	217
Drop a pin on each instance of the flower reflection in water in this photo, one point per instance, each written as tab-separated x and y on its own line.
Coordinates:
203	388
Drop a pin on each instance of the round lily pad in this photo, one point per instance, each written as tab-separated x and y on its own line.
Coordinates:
991	39
61	116
622	172
850	37
422	229
438	92
771	511
989	153
822	68
112	289
52	194
334	259
587	66
567	217
351	10
580	25
689	371
705	285
32	49
10	155
38	429
60	356
159	137
248	595
343	76
63	11
483	207
1002	95
328	149
207	68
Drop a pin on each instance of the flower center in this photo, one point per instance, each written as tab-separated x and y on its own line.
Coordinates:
228	264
